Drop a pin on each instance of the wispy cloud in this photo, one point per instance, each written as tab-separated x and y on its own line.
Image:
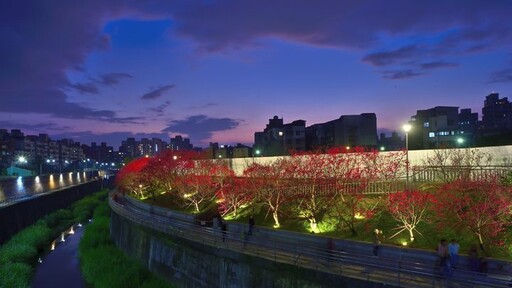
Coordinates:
437	64
157	93
161	108
401	74
501	76
385	58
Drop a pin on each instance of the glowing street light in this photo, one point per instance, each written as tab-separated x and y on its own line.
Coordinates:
407	128
22	160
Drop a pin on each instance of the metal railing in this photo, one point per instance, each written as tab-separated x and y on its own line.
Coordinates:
288	250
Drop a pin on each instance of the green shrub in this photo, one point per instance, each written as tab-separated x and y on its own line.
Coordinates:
104	265
83	209
18	252
37	236
15	275
95	235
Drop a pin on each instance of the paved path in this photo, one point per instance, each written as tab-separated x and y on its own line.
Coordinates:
60	268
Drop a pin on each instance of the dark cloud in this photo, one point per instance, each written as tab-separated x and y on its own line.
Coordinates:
33	128
502	76
161	108
385	58
110	79
157	93
207	105
85	88
401	74
37	51
113	78
344	24
437	64
200	127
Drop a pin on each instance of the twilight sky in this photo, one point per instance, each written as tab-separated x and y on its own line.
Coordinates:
216	71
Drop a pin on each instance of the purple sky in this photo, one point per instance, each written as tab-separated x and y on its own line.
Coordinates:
216	71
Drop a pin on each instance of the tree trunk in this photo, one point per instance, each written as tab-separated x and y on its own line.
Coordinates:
276	219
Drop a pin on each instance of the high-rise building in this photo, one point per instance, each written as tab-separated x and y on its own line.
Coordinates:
441	127
279	139
496	115
180	143
348	130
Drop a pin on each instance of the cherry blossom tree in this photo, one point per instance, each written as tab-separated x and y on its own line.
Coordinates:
198	184
480	207
270	183
129	178
234	194
311	186
409	209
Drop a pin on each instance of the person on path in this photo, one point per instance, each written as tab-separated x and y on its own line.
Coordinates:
453	250
376	241
474	262
443	260
251	225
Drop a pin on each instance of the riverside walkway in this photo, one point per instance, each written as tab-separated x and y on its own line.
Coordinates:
381	270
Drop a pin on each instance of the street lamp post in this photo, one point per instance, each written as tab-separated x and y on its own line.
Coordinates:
281	135
407	128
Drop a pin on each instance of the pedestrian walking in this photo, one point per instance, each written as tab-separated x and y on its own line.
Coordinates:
376	241
474	262
453	250
443	257
251	225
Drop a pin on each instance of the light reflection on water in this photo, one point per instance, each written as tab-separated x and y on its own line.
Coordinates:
51	182
20	187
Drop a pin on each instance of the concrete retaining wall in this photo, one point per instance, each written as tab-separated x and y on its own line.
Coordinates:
25	213
190	264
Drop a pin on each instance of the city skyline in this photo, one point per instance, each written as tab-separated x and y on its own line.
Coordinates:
217	71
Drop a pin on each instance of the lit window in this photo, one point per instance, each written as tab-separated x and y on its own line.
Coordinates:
426	124
431	134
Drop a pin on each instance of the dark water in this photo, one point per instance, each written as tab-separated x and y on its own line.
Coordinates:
60	267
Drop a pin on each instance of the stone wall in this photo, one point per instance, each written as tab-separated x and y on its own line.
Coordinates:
24	213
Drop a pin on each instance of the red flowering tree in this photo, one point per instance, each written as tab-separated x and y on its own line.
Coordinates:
162	171
479	207
311	186
271	184
351	174
198	183
234	194
129	178
390	170
409	209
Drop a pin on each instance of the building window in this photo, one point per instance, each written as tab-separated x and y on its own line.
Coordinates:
426	124
431	134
